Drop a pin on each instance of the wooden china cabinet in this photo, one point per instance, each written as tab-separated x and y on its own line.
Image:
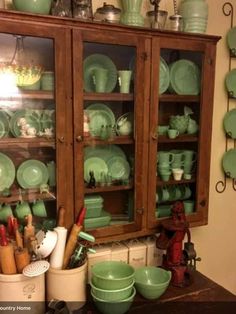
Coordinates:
86	141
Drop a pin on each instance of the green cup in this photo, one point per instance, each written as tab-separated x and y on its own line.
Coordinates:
124	78
162	129
22	209
5	212
165	157
172	133
100	78
189	206
39	208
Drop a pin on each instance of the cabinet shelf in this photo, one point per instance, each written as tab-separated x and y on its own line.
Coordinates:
109	96
179	139
179	98
174	182
27	195
91	141
28	94
101	189
28	142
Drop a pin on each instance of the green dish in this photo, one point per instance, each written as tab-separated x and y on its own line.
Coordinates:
31	120
231	39
101	106
4	124
229	123
118	168
230	83
104	152
185	78
97	222
164	76
97	119
95	164
95	61
32	174
7	172
229	162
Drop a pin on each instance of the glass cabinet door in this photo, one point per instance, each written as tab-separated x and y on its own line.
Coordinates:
109	128
180	115
31	135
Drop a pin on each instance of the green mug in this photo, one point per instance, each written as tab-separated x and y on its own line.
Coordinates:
22	209
5	212
189	206
39	209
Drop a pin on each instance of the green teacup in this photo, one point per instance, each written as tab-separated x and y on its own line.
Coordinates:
22	209
162	129
5	212
189	206
172	133
39	209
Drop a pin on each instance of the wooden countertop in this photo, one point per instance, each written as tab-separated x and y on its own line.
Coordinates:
203	296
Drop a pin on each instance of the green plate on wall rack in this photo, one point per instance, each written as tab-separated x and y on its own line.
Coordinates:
164	76
7	172
185	78
229	162
230	83
32	173
231	39
229	123
96	61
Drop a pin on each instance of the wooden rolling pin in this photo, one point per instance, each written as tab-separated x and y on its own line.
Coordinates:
7	260
73	236
22	257
29	231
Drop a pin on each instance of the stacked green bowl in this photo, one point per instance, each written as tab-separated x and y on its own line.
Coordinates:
112	287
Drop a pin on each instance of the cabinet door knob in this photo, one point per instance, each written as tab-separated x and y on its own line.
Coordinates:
203	203
79	138
61	139
154	136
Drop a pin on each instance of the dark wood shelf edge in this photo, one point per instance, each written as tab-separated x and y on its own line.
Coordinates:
109	96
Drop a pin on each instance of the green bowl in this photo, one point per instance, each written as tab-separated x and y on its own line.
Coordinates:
112	295
151	282
33	6
112	275
116	307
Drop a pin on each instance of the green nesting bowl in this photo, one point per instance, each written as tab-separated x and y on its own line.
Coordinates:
112	275
112	295
151	282
33	6
116	307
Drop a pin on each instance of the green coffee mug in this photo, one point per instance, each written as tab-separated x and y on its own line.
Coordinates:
22	209
5	212
39	209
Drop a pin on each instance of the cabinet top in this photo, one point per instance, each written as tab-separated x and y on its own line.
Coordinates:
23	17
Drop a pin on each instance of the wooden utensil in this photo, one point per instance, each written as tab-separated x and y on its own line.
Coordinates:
29	231
72	240
7	259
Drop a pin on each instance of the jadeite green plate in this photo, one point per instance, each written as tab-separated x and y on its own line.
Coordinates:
32	173
7	172
30	118
104	152
230	82
95	61
185	78
97	119
95	164
4	125
229	123
101	106
231	39
229	162
164	76
118	168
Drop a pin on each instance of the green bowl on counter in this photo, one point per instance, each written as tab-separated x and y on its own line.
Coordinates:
33	6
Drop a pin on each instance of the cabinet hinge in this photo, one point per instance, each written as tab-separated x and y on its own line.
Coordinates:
144	56
140	211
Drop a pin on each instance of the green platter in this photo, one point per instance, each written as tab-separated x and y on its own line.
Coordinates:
118	168
229	162
32	174
7	172
104	152
185	78
164	76
95	164
96	61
